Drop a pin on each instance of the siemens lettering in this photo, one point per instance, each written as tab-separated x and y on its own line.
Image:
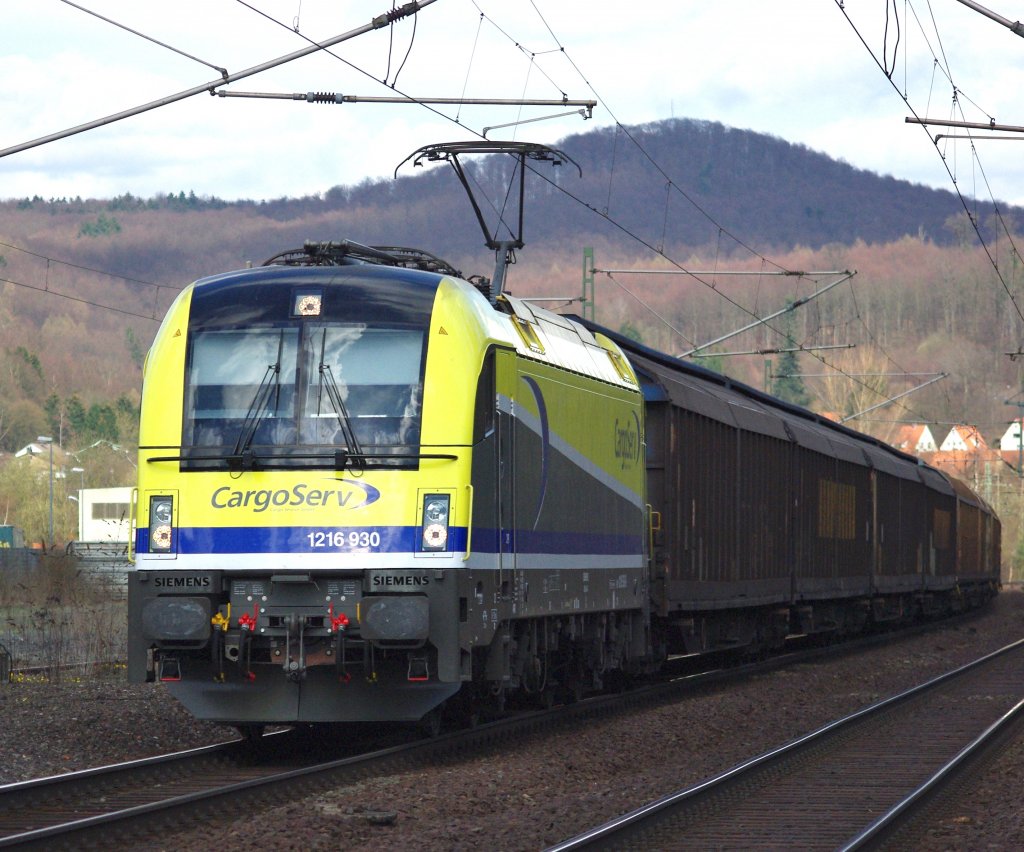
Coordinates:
299	496
182	582
400	580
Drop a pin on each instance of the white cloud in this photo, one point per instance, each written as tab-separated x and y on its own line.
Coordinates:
791	68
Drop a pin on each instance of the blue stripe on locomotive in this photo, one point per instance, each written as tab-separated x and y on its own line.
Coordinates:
394	539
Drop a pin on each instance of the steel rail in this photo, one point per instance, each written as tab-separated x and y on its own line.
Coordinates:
196	804
616	831
19	797
901	813
276	786
34	785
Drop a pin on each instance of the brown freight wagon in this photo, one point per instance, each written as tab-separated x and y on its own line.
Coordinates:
768	520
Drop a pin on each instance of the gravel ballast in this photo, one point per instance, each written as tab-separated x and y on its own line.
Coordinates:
552	786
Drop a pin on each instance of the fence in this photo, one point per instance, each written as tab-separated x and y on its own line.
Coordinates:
105	563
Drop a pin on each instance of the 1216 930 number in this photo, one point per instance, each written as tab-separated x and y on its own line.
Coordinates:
341	538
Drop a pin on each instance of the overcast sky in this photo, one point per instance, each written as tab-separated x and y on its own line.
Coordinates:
795	69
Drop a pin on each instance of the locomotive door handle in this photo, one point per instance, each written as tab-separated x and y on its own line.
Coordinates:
469	523
131	525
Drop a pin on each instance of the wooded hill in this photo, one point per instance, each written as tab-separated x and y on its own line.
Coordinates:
925	299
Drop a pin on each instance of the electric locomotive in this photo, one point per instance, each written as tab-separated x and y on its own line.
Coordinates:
367	491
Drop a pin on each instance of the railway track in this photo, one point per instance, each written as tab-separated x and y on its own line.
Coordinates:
162	795
171	791
852	784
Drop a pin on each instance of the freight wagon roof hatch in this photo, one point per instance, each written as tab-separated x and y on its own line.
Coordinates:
886	462
935	479
810	436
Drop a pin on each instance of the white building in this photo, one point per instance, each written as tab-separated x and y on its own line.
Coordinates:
1011	448
963	439
1011	440
915	438
104	514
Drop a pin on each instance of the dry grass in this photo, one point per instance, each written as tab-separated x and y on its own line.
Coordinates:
58	619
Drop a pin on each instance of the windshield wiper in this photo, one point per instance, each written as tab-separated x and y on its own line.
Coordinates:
271	384
340	411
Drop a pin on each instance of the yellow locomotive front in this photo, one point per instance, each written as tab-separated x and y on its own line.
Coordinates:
298	507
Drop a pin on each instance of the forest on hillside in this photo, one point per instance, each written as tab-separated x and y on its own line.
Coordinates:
912	310
85	282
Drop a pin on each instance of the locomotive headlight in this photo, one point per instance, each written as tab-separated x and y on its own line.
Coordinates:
161	515
435	522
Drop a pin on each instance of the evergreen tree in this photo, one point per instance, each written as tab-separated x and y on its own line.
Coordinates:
54	414
101	422
76	415
789	386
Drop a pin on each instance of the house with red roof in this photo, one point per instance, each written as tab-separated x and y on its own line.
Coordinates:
915	438
964	453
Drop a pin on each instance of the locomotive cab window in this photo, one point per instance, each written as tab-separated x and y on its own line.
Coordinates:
230	371
294	391
376	373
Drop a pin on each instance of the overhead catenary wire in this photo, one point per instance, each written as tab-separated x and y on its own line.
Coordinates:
649	309
670	184
844	276
50	292
711	286
619	127
365	73
377	23
222	71
469	64
48	289
49	259
604	214
777	350
956	188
